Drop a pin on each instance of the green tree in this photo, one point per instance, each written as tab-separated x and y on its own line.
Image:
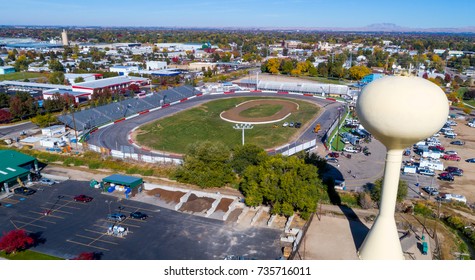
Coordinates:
4	100
56	78
206	164
79	80
44	120
376	190
55	65
244	156
286	184
21	63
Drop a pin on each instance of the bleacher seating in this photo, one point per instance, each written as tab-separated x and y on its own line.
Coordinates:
97	116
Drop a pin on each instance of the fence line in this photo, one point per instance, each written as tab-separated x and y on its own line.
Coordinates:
135	156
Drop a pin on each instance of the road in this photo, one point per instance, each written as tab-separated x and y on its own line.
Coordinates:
114	137
15	130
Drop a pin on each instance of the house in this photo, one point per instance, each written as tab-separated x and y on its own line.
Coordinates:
6	70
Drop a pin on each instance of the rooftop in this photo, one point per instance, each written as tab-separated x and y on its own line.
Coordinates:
101	83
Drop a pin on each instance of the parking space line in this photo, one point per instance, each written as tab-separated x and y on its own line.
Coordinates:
28	224
88	245
94	231
63	205
11	201
98	240
129	225
57	210
36	219
49	215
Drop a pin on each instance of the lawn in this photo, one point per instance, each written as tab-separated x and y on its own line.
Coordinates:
28	255
21	76
203	123
261	110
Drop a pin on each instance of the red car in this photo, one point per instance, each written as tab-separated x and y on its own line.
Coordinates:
83	198
333	155
451	157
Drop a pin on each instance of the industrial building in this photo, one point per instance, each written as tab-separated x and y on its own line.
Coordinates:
15	166
114	83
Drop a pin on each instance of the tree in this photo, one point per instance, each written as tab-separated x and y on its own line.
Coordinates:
4	100
55	65
15	241
286	184
56	78
359	71
376	190
79	80
364	200
244	156
206	164
469	94
21	63
5	116
22	105
87	256
44	120
273	65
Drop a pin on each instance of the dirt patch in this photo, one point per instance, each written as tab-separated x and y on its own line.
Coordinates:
197	204
224	205
234	114
234	215
167	196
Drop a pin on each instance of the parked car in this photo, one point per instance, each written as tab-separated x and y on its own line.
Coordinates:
446	176
333	155
450	152
472	160
344	140
24	191
457	172
138	215
332	160
451	169
451	157
116	217
426	171
298	125
46	181
291	124
437	148
350	149
431	190
82	198
451	136
457	142
285	124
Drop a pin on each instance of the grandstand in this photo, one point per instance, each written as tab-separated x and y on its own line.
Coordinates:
310	88
97	116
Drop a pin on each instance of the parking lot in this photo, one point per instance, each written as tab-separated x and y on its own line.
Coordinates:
66	228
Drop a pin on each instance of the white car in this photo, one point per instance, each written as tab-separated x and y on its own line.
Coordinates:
450	152
285	124
471	124
47	181
350	149
450	133
426	171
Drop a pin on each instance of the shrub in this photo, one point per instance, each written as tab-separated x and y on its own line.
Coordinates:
16	240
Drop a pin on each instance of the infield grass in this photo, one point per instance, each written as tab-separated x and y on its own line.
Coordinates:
261	110
175	133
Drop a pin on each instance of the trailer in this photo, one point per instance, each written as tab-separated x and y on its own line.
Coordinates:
431	164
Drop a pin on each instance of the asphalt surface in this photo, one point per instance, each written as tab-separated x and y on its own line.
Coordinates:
75	227
115	136
9	131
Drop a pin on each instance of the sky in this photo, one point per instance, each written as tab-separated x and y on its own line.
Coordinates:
239	13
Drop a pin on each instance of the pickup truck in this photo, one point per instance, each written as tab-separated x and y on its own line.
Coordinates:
451	157
350	149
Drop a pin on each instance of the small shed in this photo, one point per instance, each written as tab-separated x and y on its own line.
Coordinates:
128	185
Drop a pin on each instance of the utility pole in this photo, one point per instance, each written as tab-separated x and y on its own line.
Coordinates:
74	123
243	126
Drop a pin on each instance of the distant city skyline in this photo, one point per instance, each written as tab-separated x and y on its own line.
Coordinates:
240	13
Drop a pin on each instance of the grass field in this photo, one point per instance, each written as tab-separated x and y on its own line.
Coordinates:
28	255
21	76
261	110
203	123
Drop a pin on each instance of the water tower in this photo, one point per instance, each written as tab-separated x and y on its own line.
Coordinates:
398	111
64	38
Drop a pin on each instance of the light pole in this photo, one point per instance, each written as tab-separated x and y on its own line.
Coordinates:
74	123
338	131
243	126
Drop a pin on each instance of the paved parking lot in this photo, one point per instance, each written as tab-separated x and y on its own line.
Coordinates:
71	227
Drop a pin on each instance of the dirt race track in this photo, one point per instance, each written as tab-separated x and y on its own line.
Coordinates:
234	114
